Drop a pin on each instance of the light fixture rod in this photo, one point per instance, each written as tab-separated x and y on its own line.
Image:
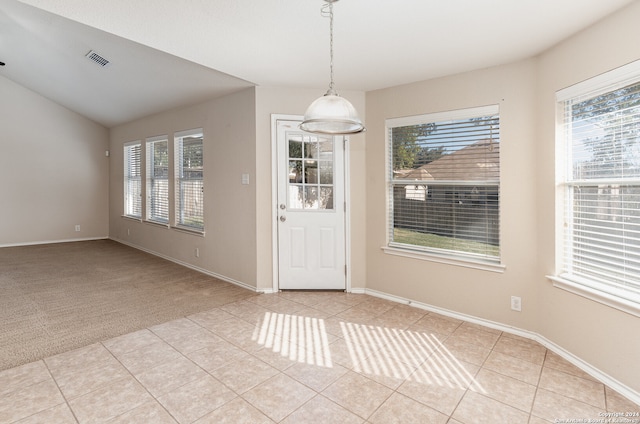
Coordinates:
327	11
331	114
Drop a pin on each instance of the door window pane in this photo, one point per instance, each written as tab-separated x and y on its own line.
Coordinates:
326	172
295	171
296	196
326	197
295	148
311	172
311	197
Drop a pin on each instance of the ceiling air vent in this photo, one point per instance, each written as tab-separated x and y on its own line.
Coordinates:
97	58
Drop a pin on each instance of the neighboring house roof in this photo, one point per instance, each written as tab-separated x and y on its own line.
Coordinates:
477	162
420	174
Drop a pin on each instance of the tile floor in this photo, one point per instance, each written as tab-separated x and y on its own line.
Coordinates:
307	358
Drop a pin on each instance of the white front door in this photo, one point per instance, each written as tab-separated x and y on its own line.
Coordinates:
311	209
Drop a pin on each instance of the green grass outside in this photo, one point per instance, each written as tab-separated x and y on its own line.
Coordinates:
194	221
402	235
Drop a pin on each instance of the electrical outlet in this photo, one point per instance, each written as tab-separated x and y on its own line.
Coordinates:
128	232
197	252
516	303
77	228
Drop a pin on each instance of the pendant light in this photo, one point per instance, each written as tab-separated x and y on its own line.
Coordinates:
331	114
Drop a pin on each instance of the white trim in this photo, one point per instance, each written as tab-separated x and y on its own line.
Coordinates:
594	372
447	312
601	82
188	265
613	300
174	179
609	81
446	182
189	133
132	218
442	259
157	138
415	252
188	230
442	116
274	202
35	243
274	194
126	177
132	143
347	212
266	291
156	223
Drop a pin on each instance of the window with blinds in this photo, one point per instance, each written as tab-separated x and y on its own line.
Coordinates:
132	180
599	176
158	179
189	180
444	183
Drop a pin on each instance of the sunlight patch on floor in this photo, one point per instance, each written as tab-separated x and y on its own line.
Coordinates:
406	355
373	350
300	338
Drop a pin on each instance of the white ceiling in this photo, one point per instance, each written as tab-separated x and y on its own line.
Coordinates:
167	53
46	53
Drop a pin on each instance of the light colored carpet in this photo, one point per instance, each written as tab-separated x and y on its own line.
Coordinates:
58	297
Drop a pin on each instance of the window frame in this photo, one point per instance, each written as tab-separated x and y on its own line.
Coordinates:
178	223
151	179
616	297
128	205
451	257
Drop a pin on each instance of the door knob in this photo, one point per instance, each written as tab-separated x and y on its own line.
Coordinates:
283	218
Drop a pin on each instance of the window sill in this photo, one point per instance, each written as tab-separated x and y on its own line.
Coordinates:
133	218
188	230
609	296
157	224
448	260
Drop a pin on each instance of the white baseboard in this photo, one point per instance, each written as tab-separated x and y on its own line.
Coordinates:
604	378
35	243
188	265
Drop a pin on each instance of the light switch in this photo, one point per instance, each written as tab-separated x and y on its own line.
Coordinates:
245	179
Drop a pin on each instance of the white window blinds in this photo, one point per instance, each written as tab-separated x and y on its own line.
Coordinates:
444	183
189	180
158	179
132	180
600	137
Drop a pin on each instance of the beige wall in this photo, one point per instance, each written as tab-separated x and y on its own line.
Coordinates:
604	337
474	292
228	248
238	220
53	169
290	101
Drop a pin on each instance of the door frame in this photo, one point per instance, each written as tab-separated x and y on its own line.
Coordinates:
274	201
